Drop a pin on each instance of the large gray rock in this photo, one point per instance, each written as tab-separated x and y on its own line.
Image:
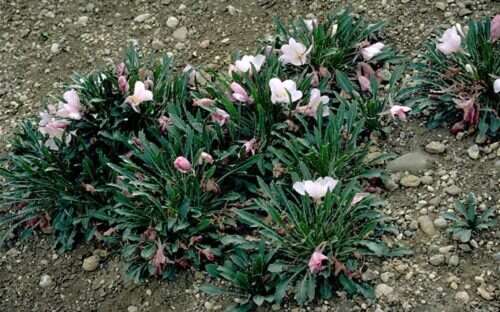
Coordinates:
413	162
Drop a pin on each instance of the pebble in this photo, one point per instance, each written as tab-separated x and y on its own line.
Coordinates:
437	260
426	225
452	190
386	276
473	152
55	48
132	309
45	281
369	275
172	22
142	18
440	222
462	297
486	295
90	263
435	147
180	33
427	180
441	6
497	257
82	21
410	181
454	260
383	290
413	162
204	44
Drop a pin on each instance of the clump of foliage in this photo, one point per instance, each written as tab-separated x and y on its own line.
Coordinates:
255	174
458	79
467	220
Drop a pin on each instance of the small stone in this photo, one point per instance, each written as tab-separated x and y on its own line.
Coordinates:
13	252
464	12
157	44
497	257
453	190
441	6
462	297
390	184
82	21
172	22
142	18
386	276
486	295
45	281
435	147
410	181
369	275
180	34
204	44
132	309
453	260
426	225
232	10
209	305
440	223
90	263
55	48
446	249
437	260
383	290
473	152
427	180
413	162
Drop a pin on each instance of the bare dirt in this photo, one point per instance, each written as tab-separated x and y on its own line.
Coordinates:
43	42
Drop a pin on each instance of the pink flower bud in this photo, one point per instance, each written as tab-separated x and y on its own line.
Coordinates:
206	157
123	84
182	164
205	102
316	262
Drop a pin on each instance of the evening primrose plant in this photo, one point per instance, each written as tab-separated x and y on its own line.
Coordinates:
458	78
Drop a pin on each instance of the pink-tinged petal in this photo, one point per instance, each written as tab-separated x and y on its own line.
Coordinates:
182	164
471	110
299	187
159	260
371	51
495	28
398	111
123	84
364	83
250	146
239	93
205	102
220	116
359	197
206	158
316	262
121	69
450	42
164	122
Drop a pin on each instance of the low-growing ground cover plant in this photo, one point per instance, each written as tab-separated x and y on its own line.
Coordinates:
467	220
458	79
256	173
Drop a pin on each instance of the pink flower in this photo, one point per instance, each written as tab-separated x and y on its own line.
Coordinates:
294	53
55	130
284	92
141	94
208	254
471	111
205	157
182	164
205	102
315	101
164	122
359	197
123	84
220	116
364	73
398	111
250	146
159	260
496	86
72	108
316	262
371	51
495	28
121	69
450	42
239	93
315	189
315	79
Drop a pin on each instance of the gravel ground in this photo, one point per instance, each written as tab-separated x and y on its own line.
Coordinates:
43	42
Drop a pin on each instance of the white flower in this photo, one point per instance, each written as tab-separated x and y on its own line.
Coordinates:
314	102
141	94
284	92
450	42
371	51
294	53
496	85
311	23
315	189
245	63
